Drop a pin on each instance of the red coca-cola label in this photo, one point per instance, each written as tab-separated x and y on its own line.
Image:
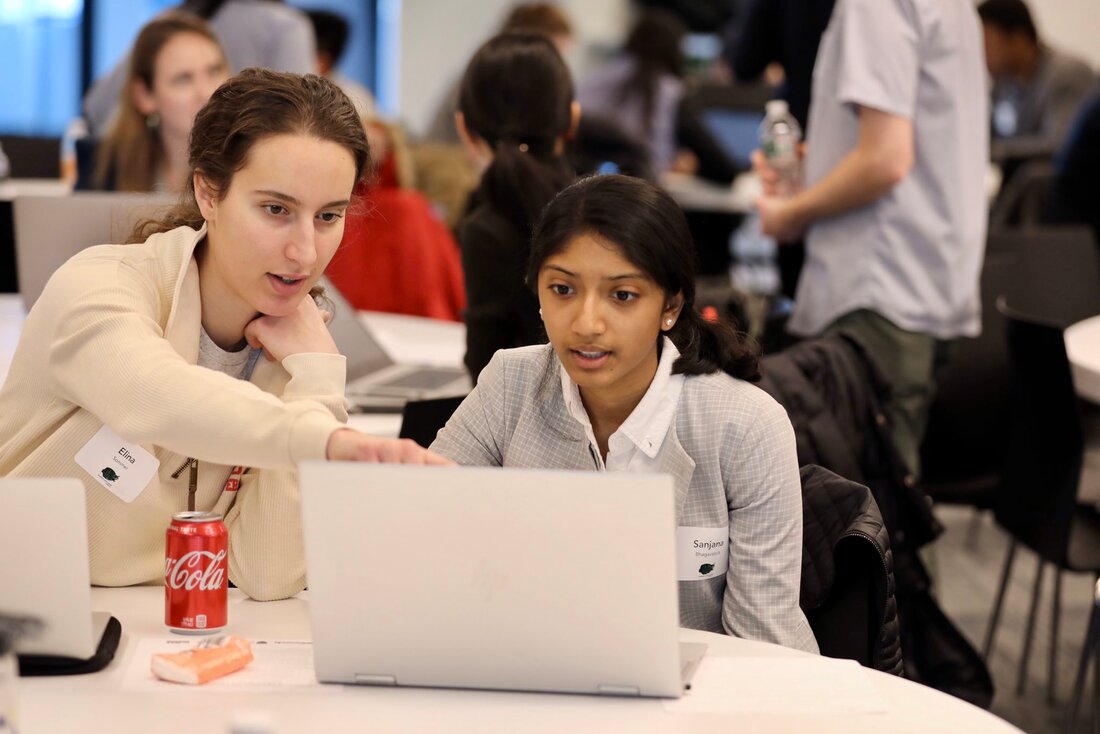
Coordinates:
195	570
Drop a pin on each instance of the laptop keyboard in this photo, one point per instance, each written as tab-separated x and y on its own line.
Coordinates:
421	379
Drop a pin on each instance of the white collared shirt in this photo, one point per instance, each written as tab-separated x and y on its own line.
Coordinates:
636	443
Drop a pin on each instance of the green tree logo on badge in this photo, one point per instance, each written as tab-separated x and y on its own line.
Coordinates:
706	568
109	474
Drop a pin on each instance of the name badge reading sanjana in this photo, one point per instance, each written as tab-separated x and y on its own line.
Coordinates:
702	553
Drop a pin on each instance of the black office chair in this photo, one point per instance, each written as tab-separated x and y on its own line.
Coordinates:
1057	268
422	419
1023	199
847	590
962	450
1037	501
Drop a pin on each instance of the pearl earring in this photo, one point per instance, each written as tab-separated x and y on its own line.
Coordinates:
540	313
668	322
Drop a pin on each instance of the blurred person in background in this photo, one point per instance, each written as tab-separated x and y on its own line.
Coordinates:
545	18
641	89
516	113
1075	197
254	33
331	35
175	65
786	32
1036	89
894	209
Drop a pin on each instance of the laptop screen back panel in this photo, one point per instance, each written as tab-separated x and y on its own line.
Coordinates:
490	578
44	541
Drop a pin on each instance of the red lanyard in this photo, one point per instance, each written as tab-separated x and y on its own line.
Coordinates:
234	481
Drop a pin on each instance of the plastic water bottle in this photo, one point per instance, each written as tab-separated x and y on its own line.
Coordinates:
780	136
77	129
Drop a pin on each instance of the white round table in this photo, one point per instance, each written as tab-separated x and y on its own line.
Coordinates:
100	703
1083	350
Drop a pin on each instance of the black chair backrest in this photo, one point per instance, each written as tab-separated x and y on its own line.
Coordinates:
422	419
1058	278
1054	271
846	590
600	141
968	419
1044	450
1022	200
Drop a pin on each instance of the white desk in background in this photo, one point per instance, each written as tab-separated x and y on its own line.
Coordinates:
407	339
106	702
413	340
13	187
693	193
1083	350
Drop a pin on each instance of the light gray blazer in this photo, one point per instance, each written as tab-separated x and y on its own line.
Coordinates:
731	454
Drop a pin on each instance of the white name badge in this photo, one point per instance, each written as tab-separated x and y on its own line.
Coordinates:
702	553
122	467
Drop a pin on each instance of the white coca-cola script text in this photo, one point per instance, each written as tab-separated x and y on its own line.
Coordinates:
189	572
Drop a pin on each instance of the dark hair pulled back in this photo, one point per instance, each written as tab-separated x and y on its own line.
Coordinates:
249	107
517	96
648	229
1009	16
654	44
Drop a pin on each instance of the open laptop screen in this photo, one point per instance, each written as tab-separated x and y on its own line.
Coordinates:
364	354
737	131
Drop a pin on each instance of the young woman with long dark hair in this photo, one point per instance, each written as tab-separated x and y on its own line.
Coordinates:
516	110
635	380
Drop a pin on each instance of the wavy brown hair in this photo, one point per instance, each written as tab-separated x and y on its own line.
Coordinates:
251	106
132	151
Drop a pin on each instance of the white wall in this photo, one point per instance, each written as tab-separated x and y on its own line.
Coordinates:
1072	25
438	37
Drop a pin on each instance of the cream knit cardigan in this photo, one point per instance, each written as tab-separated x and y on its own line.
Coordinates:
114	340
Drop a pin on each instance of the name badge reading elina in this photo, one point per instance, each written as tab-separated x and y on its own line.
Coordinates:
122	467
702	553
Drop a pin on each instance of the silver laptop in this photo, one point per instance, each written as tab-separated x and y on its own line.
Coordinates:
51	229
373	373
493	578
44	544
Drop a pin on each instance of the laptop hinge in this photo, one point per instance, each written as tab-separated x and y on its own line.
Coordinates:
368	679
618	690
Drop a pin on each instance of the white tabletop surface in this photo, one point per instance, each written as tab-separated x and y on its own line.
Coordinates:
410	339
697	194
103	702
1083	350
693	193
13	187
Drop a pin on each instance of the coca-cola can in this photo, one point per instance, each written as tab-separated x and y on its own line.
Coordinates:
196	567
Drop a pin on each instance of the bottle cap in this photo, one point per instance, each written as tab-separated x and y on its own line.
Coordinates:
777	108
